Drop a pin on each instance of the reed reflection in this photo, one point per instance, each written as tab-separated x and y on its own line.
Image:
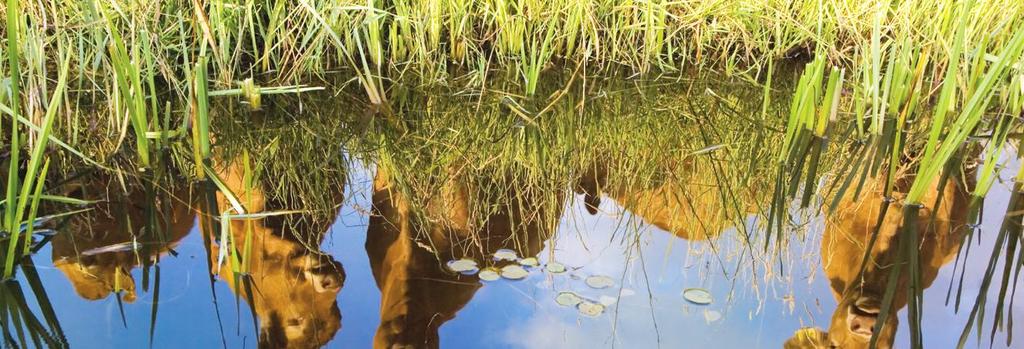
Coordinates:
290	285
941	223
131	226
408	242
682	200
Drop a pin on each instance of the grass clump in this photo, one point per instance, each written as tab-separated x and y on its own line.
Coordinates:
142	45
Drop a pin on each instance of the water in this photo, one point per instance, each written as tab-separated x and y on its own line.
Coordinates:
355	255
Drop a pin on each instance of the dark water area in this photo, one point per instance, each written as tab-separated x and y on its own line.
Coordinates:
623	216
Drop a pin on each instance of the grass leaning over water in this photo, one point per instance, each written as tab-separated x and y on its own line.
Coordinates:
896	127
886	76
141	60
385	41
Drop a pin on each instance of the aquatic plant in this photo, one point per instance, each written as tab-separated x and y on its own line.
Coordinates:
890	86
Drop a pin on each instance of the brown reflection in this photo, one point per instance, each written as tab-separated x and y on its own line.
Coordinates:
691	209
99	248
848	232
408	244
291	285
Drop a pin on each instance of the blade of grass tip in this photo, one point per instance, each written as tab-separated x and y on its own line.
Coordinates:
202	113
862	176
890	292
50	217
898	144
1013	295
208	204
804	143
910	233
33	166
28	323
247	180
775	210
239	279
4	325
767	92
61	200
232	199
249	294
855	161
993	151
890	141
166	125
151	85
120	309
31	276
883	210
962	254
34	207
1014	231
156	304
16	319
31	323
1009	256
1015	205
13	59
225	243
948	173
818	146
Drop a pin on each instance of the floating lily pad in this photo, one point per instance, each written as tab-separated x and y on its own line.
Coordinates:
463	266
568	299
489	274
589	308
505	255
555	267
698	296
712	316
513	272
599	281
529	262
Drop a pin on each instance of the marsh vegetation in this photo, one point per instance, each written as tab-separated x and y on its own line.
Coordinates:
601	173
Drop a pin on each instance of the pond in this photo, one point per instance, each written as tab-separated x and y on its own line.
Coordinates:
611	215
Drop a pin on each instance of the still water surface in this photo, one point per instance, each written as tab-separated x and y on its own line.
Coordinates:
379	276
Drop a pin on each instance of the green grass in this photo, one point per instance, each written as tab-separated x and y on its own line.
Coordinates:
139	59
384	41
24	193
898	127
885	79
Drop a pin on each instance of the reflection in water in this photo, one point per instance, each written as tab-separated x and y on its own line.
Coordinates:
410	237
292	288
685	201
941	223
408	243
463	180
98	249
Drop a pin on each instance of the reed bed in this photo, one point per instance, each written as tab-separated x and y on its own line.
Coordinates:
154	65
902	116
885	79
122	49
